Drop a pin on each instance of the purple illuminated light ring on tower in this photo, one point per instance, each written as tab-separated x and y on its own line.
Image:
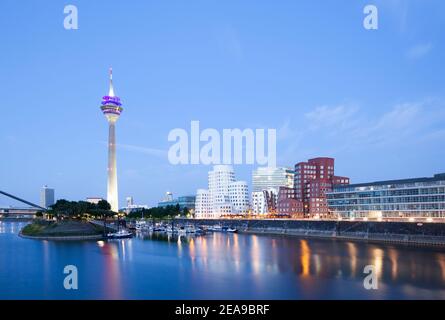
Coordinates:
111	100
112	111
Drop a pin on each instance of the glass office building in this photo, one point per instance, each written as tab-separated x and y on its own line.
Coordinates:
408	198
265	178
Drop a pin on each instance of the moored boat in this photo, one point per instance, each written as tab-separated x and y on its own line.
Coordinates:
141	225
216	228
219	228
121	234
229	229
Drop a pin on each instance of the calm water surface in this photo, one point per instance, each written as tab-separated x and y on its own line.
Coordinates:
215	266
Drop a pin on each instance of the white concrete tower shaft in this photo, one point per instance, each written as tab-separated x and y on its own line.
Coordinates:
111	107
112	192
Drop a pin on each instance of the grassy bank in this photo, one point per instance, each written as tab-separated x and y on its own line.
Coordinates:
67	228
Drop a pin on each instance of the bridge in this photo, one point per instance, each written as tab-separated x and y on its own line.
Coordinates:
23	201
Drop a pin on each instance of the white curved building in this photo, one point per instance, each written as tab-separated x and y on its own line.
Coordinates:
225	195
259	205
239	197
202	204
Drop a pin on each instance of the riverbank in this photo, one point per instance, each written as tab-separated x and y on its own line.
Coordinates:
407	233
373	238
69	230
14	219
62	238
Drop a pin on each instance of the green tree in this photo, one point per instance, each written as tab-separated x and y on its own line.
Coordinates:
103	205
103	208
77	209
62	208
177	210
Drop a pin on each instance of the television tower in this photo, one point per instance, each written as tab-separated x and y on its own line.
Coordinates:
112	107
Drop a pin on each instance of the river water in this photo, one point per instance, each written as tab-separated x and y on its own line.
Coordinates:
216	266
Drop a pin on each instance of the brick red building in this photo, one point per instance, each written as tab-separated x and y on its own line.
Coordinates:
313	179
288	204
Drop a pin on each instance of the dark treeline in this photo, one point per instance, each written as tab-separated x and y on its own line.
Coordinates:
64	209
79	209
159	212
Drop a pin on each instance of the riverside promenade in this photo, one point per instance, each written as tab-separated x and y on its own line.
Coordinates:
63	238
425	234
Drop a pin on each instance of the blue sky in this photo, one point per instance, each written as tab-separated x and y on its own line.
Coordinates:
374	100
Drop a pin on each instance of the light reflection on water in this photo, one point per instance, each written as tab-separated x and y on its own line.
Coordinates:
216	266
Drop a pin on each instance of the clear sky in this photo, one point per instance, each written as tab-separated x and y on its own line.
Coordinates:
373	100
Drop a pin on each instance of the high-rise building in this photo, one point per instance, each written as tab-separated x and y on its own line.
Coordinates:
112	107
219	180
130	201
313	179
47	197
266	178
224	196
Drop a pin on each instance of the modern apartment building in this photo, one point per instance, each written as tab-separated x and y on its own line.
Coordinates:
239	197
259	205
407	198
312	180
288	205
266	182
264	202
224	196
